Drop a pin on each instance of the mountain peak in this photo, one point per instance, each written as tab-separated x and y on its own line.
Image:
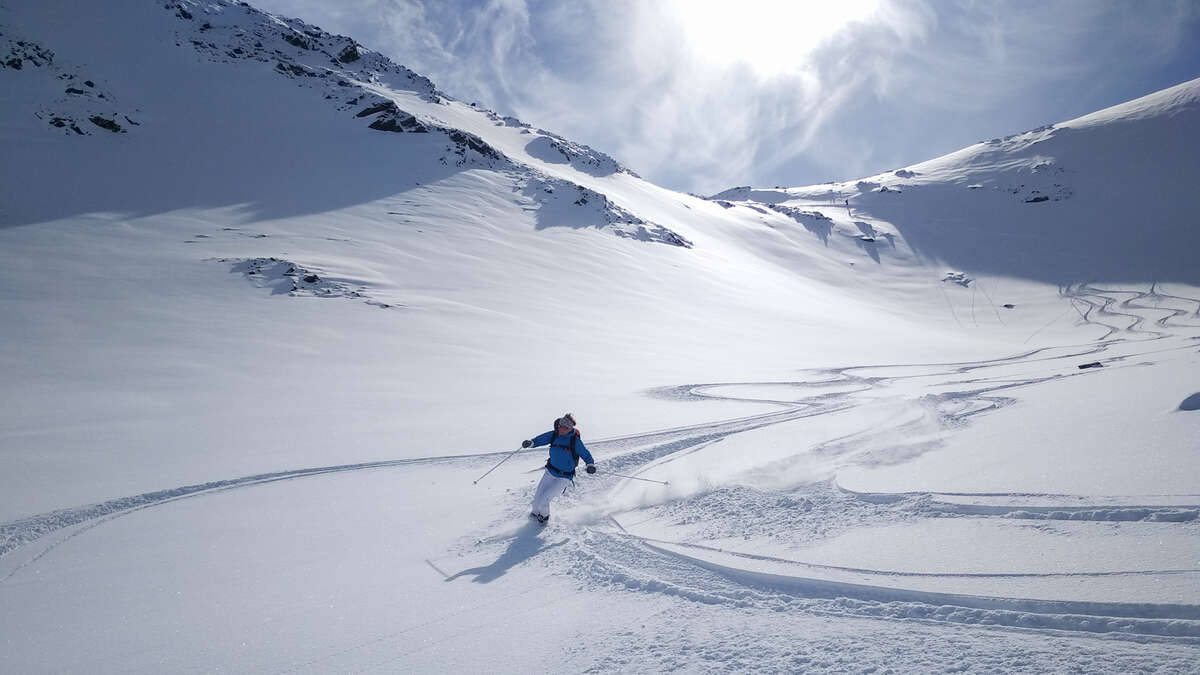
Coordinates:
204	69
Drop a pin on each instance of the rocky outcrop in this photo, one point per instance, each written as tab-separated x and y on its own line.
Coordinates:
20	53
82	108
389	117
227	31
284	277
745	193
463	148
814	221
398	123
465	142
557	150
349	54
561	203
335	65
106	124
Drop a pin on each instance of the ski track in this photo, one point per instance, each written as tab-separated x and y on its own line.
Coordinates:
611	556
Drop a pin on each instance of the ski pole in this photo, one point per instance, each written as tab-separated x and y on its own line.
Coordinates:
648	480
476	481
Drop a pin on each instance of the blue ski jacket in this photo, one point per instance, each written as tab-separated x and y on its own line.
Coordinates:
561	463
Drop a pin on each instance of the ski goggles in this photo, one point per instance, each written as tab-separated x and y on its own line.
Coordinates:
564	423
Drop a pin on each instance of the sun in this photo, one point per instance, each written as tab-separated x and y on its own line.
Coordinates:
770	36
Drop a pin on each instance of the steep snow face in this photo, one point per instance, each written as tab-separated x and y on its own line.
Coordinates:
58	90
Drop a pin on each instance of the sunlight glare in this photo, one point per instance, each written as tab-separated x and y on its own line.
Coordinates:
771	37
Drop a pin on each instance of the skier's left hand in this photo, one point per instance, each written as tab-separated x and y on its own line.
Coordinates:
591	468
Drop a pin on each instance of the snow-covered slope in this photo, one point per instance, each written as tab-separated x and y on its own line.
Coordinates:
271	302
505	260
1106	197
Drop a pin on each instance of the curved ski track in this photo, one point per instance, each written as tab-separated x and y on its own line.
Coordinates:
613	556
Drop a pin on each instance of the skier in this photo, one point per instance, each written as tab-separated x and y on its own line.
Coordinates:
566	449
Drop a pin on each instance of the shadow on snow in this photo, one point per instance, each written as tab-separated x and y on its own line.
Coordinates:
524	546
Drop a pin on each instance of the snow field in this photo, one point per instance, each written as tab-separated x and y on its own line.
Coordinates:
258	345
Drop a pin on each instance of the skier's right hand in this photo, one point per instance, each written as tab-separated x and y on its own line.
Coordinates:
526	444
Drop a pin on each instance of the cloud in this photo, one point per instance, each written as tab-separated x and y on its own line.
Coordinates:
904	82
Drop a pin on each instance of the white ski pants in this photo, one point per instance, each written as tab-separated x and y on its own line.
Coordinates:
550	487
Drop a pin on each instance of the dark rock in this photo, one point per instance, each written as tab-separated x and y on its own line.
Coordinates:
107	124
89	83
465	140
296	41
311	279
388	124
65	123
349	54
386	106
294	69
27	53
1190	403
1093	364
73	90
1009	305
1036	199
401	123
674	239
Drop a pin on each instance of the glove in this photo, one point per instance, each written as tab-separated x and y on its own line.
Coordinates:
591	468
526	444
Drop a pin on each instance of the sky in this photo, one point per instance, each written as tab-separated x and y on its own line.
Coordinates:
701	96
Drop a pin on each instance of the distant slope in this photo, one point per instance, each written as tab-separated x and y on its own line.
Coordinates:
1110	196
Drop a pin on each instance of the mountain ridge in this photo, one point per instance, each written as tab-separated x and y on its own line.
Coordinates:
352	79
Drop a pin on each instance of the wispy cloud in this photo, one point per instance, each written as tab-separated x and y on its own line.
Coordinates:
906	81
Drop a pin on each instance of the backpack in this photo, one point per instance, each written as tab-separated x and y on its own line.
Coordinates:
574	439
